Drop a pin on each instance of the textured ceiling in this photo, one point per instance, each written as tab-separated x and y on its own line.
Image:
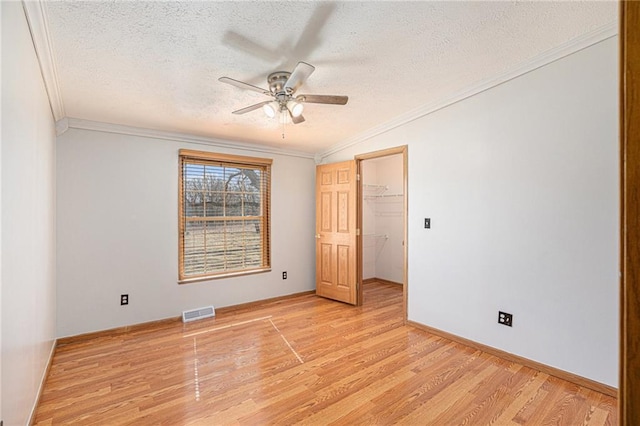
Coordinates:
156	64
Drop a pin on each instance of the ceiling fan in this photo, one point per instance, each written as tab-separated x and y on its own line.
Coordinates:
282	88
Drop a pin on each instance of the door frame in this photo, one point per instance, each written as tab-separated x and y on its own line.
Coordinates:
629	378
403	149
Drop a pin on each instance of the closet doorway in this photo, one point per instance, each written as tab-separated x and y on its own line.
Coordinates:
382	220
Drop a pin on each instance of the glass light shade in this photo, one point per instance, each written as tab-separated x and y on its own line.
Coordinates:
271	109
295	108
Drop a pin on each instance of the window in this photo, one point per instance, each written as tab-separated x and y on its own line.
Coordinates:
224	215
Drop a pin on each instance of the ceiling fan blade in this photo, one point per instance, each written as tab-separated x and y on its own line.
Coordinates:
311	39
300	73
251	108
323	99
251	47
243	85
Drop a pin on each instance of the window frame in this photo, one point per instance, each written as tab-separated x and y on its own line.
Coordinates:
228	160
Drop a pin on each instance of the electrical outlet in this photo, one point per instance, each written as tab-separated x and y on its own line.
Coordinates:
284	275
505	318
427	222
124	299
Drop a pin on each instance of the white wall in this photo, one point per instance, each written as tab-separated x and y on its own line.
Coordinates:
521	185
390	219
370	244
28	224
118	233
382	214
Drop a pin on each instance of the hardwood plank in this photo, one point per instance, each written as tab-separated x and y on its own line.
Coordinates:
522	398
379	281
565	375
358	365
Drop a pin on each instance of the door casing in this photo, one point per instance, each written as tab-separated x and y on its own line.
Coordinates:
403	150
629	380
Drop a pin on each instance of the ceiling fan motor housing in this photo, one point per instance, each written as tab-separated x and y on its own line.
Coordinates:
277	81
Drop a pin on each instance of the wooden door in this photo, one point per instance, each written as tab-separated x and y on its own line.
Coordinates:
336	195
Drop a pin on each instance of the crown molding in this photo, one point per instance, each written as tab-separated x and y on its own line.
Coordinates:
572	46
39	28
38	25
76	123
62	126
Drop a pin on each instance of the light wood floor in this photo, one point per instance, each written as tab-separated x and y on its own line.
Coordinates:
304	360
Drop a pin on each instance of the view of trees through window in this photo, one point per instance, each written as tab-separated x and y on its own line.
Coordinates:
221	191
223	214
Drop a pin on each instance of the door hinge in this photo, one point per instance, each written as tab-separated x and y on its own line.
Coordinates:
358	176
357	232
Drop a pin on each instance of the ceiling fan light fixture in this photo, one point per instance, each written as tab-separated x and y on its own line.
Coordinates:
295	108
271	109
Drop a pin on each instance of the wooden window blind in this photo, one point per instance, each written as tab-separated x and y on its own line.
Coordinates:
224	215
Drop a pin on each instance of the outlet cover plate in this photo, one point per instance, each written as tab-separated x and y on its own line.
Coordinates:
505	318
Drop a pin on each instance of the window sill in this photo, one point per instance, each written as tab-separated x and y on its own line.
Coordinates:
224	275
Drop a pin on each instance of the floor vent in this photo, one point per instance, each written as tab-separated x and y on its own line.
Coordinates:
196	314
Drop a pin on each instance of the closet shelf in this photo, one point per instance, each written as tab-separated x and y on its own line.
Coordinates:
374	186
371	197
385	236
